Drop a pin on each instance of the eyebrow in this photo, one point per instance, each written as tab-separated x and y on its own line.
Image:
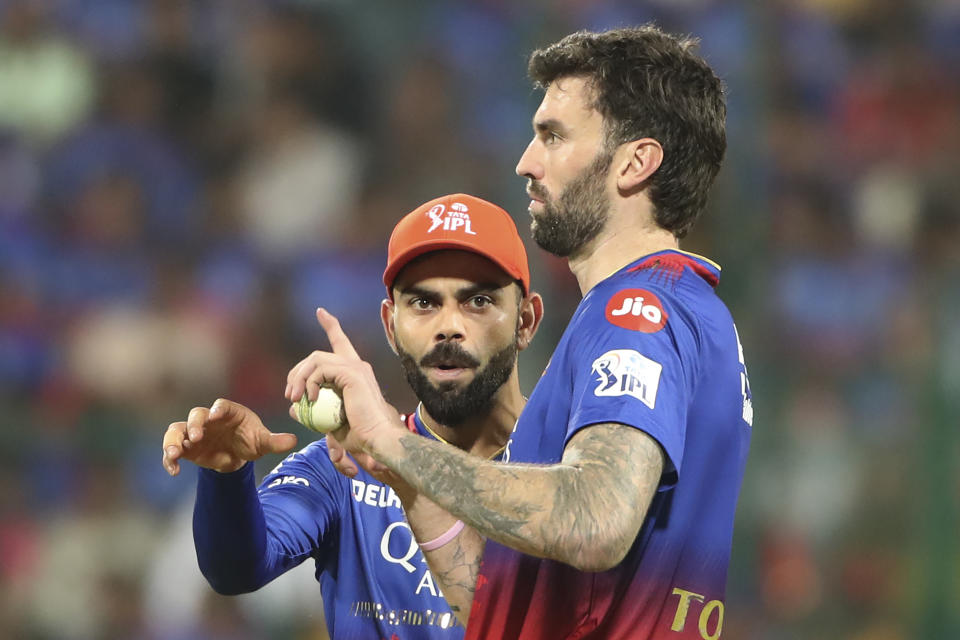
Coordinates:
480	287
465	292
414	290
550	124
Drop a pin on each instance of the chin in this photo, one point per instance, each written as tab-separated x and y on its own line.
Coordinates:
445	385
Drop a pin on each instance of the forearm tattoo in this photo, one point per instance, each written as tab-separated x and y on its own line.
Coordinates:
585	511
455	566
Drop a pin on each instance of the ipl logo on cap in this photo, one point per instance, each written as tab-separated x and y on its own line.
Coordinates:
456	218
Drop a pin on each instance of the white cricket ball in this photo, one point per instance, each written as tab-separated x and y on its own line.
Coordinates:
325	414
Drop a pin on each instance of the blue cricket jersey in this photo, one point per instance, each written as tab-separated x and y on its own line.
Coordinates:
654	348
373	577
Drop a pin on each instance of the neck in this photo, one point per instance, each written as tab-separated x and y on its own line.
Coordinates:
486	435
626	237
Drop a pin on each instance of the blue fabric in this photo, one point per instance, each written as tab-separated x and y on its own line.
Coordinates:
373	577
653	348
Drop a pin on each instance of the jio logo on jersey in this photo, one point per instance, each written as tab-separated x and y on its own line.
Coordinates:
637	310
625	372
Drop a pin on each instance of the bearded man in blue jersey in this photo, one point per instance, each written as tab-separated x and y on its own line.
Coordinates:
459	308
611	514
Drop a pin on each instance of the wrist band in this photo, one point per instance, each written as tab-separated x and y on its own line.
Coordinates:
444	538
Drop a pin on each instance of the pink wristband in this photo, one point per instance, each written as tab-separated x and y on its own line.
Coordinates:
444	538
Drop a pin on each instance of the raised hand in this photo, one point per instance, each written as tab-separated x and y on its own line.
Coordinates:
223	438
366	409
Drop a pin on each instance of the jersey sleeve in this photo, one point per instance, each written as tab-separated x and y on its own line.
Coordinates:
302	500
636	373
245	537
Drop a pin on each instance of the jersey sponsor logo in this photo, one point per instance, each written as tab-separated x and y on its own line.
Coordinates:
407	545
637	310
294	480
374	495
452	219
402	617
398	546
625	372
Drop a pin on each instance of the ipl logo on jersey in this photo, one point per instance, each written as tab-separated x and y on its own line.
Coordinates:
625	372
450	220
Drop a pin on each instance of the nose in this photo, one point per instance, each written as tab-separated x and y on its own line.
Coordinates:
529	165
450	326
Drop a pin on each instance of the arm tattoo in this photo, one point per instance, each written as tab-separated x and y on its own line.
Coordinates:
618	471
454	565
464	564
455	569
585	511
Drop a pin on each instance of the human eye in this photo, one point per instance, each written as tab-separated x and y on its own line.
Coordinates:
550	138
420	304
479	301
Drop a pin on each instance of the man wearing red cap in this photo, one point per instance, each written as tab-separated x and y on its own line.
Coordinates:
458	310
611	514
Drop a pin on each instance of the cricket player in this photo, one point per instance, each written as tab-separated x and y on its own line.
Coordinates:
610	515
459	309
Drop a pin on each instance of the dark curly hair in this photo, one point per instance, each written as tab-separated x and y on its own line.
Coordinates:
650	84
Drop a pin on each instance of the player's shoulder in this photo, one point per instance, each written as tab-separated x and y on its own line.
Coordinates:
681	281
628	301
665	296
314	457
674	273
314	450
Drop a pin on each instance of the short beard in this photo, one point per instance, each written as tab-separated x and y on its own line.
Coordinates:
571	221
449	405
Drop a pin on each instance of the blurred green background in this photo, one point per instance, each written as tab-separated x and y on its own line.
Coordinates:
182	183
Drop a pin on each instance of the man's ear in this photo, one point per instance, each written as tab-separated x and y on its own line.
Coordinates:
387	307
528	320
636	161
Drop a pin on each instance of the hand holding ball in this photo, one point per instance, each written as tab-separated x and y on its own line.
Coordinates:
323	415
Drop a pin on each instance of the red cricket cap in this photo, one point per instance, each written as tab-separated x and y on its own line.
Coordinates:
458	221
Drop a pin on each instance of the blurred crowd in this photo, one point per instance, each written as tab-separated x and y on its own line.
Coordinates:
183	182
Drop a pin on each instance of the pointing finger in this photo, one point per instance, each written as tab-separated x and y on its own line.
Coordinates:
339	341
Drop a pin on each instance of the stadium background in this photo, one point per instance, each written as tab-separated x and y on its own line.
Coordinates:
181	183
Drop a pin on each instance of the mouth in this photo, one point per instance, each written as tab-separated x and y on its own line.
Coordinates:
449	373
449	369
537	198
535	204
448	364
